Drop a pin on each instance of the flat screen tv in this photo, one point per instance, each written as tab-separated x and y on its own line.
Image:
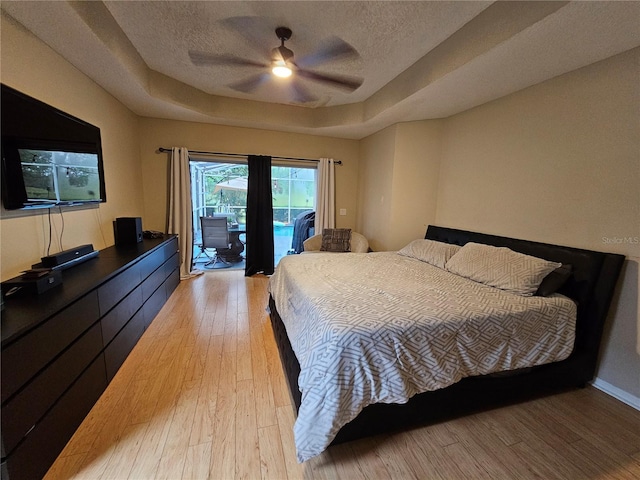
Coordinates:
49	158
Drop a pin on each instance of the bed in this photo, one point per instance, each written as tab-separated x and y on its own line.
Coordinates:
409	380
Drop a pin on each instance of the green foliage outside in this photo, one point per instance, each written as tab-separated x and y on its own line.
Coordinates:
293	191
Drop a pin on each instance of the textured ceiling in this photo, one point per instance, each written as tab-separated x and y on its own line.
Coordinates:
418	60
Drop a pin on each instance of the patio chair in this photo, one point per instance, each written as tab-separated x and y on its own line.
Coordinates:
215	234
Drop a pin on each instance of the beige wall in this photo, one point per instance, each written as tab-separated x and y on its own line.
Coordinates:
375	192
155	133
556	162
30	66
559	162
415	179
398	183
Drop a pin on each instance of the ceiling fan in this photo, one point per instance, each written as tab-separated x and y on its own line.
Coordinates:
283	65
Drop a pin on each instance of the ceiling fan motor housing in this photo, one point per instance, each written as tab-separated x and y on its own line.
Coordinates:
282	53
283	33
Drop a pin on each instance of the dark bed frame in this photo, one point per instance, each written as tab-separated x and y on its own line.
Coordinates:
591	285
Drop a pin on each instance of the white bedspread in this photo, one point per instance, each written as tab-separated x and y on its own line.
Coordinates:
380	327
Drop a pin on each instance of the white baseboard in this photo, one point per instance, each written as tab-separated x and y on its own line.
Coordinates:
618	393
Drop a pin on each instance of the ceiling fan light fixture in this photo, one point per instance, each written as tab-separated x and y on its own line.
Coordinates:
281	69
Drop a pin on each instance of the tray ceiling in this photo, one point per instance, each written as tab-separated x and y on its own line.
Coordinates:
418	60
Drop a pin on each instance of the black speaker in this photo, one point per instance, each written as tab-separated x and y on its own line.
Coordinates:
127	230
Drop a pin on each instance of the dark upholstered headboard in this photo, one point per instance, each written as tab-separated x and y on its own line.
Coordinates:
591	285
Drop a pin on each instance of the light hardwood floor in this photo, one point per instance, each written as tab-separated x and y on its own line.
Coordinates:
203	395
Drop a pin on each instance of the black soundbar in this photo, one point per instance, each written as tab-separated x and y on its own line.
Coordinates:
65	256
72	262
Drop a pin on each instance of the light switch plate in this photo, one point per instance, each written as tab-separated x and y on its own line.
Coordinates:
343	211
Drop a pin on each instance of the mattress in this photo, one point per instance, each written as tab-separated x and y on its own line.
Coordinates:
381	327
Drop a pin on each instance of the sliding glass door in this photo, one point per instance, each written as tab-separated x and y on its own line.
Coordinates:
219	188
294	192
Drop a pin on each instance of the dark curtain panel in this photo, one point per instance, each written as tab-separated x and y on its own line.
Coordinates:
259	258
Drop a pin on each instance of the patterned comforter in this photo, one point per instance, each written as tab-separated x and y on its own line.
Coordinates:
380	327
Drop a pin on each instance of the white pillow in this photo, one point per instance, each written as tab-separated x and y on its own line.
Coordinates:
501	267
430	251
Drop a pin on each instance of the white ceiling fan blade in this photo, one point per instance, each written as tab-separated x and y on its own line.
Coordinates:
331	49
248	85
203	59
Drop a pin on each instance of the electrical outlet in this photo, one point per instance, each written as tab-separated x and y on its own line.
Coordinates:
343	211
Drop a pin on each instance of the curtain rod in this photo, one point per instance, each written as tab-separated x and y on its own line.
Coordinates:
162	150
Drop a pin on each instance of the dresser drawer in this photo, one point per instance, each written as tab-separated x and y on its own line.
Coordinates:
118	350
33	457
173	280
22	359
154	304
22	412
150	263
170	248
172	264
118	317
152	283
110	294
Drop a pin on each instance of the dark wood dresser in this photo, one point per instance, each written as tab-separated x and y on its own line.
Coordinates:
60	349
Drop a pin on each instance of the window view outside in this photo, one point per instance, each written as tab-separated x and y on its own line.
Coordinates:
221	188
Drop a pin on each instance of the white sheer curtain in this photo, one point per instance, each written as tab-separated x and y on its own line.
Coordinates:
325	195
181	211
